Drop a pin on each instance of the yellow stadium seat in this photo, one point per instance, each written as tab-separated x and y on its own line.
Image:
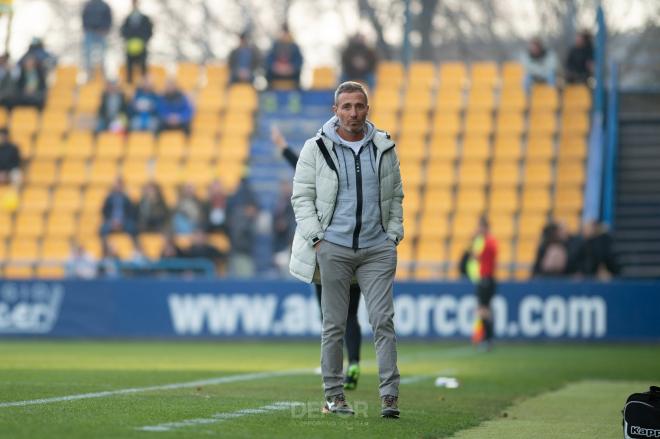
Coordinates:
542	123
4	117
415	123
109	146
24	120
54	123
217	74
449	99
544	98
446	123
24	143
535	200
136	172
503	200
484	74
388	121
140	145
60	100
23	249
540	148
440	174
78	145
421	75
238	123
206	123
574	123
389	74
29	225
464	225
66	199
504	173
453	74
42	172
570	173
172	145
103	172
431	251
152	245
504	252
89	226
48	147
66	74
443	147
568	199
198	173
510	123
437	199
476	147
93	199
531	225
418	100
6	226
242	97
481	99
123	244
507	148
513	99
167	172
478	122
385	100
89	98
412	202
73	172
61	225
537	174
472	173
502	228
35	199
572	148
525	254
48	271
411	148
470	200
576	98
211	99
513	74
323	78
202	147
187	75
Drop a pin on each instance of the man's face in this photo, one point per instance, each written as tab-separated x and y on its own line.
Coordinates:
351	110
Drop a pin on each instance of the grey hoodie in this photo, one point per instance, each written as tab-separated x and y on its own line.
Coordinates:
356	222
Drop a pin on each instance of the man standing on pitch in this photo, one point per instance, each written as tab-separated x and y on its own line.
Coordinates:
347	197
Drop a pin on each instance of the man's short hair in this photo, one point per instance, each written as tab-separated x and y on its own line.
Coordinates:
350	87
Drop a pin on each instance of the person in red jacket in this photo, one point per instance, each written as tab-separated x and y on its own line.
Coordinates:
481	270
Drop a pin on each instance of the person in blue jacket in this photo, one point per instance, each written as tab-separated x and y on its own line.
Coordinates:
174	109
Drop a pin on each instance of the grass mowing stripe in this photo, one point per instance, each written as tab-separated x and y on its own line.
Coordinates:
584	409
173	386
220	417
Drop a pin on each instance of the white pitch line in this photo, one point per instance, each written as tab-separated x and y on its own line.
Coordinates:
413	379
207	382
221	417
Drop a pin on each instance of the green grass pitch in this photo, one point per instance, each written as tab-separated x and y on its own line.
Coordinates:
539	386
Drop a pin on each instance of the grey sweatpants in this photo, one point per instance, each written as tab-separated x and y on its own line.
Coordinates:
374	269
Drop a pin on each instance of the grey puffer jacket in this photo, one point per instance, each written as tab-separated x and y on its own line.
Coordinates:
315	188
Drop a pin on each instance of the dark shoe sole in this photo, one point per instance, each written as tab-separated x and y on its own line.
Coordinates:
393	414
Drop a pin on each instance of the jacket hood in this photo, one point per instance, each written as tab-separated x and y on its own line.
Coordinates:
329	130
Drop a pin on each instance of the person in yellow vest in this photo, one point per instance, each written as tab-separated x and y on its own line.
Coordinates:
136	31
481	271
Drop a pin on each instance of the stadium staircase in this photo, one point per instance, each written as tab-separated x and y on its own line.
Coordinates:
637	221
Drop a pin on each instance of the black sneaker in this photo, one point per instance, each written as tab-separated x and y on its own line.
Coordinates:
337	404
389	408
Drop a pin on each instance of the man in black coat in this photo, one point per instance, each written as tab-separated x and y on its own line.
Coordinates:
136	31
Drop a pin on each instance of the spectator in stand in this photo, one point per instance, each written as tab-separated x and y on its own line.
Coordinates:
170	249
144	107
112	114
244	60
174	109
31	85
596	257
580	60
81	264
188	212
7	82
552	255
10	160
97	21
243	210
153	213
109	263
284	220
358	61
118	213
201	249
46	60
540	64
215	208
136	31
284	62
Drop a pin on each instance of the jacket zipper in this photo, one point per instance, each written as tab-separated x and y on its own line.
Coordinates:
358	189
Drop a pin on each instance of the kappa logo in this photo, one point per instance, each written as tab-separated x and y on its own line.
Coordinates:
646	432
29	308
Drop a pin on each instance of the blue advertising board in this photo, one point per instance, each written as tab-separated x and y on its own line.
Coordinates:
141	308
